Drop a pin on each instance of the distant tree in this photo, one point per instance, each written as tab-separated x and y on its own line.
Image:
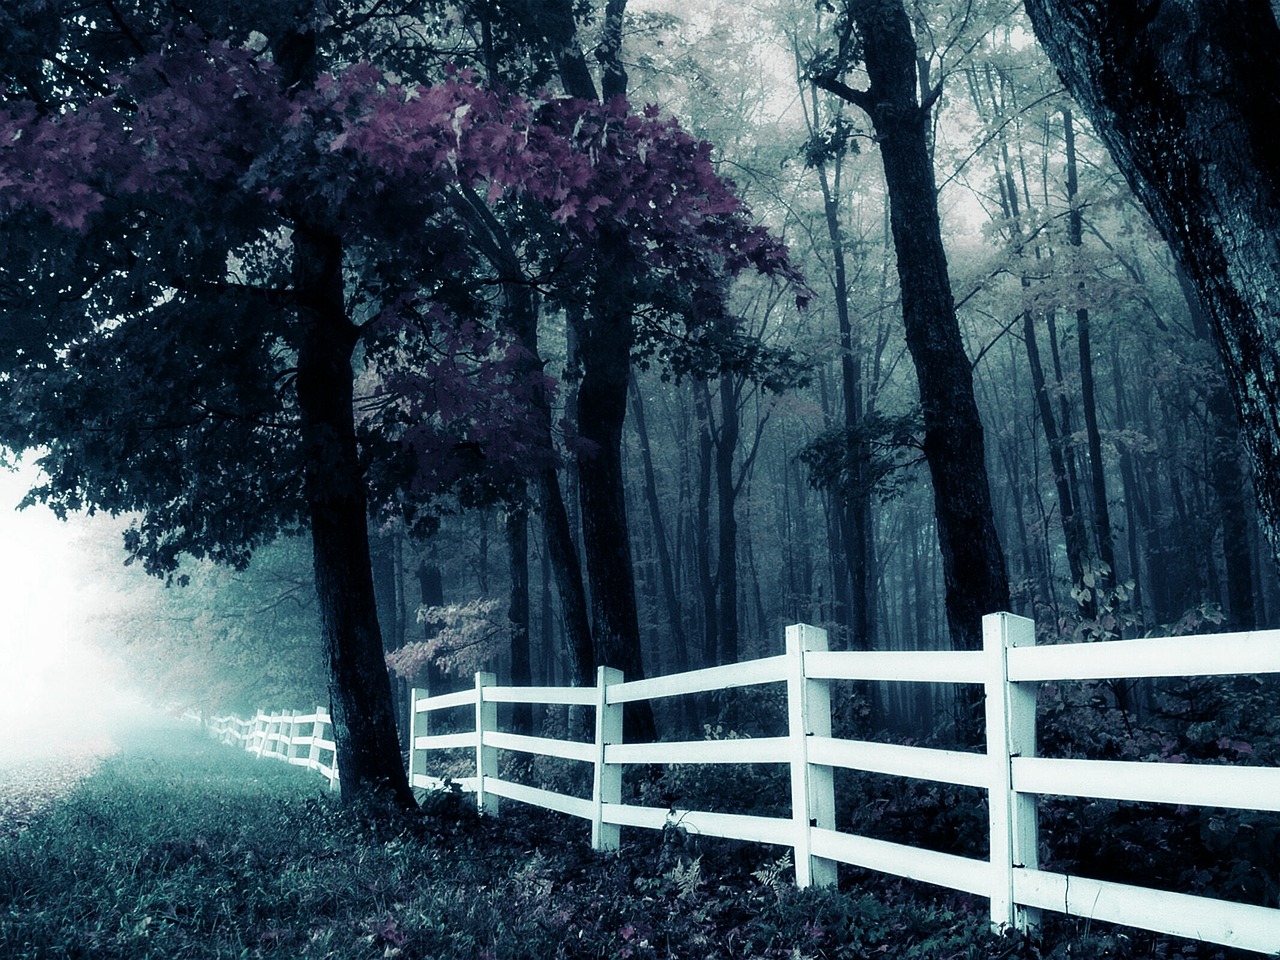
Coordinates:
877	34
1186	96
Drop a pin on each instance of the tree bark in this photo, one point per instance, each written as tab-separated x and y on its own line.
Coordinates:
666	570
1088	398
973	564
605	351
517	525
431	594
702	524
522	320
605	340
855	506
1072	528
369	762
1229	486
726	443
1186	95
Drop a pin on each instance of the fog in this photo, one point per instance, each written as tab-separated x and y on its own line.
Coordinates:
57	693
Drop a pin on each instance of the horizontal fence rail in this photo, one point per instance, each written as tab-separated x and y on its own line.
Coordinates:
1009	667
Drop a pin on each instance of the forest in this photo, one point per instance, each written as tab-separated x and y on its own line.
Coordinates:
538	336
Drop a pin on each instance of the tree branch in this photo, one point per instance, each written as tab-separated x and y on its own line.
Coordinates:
859	98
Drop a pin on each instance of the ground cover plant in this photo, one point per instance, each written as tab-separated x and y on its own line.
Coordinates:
182	848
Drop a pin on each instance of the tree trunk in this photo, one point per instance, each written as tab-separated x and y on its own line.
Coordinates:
517	524
973	564
605	352
605	340
727	522
679	641
702	524
1088	399
1229	485
369	761
431	594
567	570
387	562
1186	96
522	320
855	505
1072	528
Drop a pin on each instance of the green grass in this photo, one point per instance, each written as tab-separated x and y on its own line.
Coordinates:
181	848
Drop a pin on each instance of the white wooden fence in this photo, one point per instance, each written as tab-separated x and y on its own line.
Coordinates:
1009	667
302	739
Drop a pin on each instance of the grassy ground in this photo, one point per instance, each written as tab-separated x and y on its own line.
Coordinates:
180	848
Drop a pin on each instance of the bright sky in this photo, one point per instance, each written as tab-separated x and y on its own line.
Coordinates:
53	688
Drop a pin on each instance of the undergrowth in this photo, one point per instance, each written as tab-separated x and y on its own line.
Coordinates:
181	848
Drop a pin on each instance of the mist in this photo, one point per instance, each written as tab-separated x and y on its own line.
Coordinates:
60	695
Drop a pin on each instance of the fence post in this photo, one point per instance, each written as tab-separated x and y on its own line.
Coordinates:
606	786
259	739
291	748
327	728
271	745
486	756
413	736
317	732
812	790
1011	732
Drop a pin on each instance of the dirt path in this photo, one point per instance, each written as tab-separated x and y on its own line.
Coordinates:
29	784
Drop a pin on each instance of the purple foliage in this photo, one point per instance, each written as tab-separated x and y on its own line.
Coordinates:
204	126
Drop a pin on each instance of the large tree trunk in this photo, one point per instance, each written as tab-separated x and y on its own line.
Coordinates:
369	761
1186	96
1229	485
973	563
605	353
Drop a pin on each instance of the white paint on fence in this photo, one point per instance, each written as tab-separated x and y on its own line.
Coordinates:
1010	668
302	739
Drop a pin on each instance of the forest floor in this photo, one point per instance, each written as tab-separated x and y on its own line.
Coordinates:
175	846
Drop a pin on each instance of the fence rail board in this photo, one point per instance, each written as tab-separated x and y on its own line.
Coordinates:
768	670
704	823
421	781
446	741
943	766
744	750
547	799
1221	654
570	696
1194	784
446	701
925	666
564	749
913	863
1182	915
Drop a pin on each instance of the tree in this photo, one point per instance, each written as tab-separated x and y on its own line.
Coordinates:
1185	95
878	34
